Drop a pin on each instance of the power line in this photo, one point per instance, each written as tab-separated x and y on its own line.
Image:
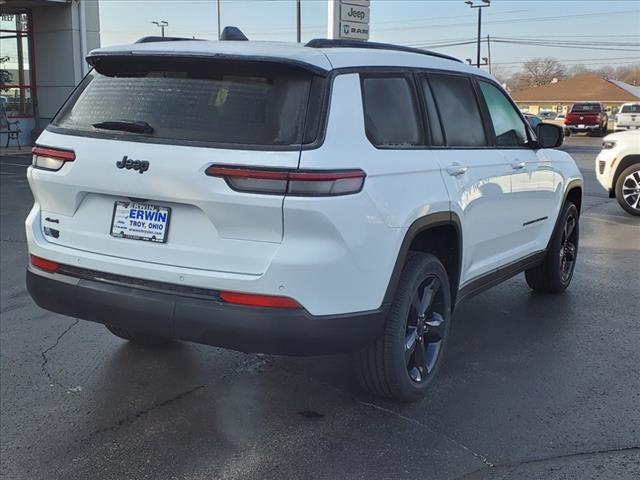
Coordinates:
436	26
606	46
510	21
555	45
578	61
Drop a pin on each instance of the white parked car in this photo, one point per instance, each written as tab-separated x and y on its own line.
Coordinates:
618	168
290	199
628	117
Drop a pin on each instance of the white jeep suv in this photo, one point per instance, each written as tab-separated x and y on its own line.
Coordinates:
289	199
618	169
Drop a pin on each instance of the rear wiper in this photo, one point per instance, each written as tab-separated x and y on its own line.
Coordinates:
125	126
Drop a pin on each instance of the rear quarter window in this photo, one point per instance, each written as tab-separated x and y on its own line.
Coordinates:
391	112
236	103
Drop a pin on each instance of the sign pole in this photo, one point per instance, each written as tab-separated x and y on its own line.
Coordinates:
333	17
298	22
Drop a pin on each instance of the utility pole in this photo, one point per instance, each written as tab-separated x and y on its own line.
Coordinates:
298	23
489	52
480	6
479	29
162	24
218	8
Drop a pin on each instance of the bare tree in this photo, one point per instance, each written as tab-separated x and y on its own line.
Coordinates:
629	75
502	74
518	81
579	69
5	75
542	71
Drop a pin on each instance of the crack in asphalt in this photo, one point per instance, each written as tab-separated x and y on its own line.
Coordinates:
132	417
479	456
246	364
551	458
45	359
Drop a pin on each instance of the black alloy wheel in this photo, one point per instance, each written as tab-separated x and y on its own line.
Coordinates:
425	330
405	358
568	247
554	273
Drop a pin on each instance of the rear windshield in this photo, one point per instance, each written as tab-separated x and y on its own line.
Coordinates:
586	107
221	102
631	108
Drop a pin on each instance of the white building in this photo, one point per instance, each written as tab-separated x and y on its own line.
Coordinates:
42	51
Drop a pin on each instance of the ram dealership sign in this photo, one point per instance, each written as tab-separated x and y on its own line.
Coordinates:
349	19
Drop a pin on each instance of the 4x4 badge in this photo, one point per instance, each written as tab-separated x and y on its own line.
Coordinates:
140	165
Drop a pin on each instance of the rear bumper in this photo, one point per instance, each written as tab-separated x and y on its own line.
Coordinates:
585	128
248	329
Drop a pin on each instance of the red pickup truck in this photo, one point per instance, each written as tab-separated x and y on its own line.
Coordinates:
590	117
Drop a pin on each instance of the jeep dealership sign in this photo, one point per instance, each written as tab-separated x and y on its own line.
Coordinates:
348	19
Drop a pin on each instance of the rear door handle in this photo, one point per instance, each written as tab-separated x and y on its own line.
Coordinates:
455	170
518	165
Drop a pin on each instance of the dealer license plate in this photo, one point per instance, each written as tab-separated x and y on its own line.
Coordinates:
140	221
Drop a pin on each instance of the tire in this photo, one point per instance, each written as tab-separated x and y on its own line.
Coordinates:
628	184
402	362
136	337
554	274
603	131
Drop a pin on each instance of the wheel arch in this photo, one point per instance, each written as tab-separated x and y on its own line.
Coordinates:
573	193
625	163
437	233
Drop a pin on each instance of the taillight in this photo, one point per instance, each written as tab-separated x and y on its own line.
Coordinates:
253	300
51	158
46	265
291	182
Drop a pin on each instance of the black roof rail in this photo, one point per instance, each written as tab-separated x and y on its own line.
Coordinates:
328	43
152	39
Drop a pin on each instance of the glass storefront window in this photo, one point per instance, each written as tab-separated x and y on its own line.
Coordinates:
11	21
17	101
15	74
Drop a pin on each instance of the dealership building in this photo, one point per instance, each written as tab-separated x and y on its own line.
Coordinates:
42	51
558	96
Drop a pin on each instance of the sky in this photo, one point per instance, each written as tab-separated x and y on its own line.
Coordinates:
591	32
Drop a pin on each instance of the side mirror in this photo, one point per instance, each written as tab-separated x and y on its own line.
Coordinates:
549	135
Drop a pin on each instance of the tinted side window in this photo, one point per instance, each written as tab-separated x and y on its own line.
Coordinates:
391	113
435	129
459	110
509	128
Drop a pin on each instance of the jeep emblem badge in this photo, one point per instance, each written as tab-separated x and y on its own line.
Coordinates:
140	165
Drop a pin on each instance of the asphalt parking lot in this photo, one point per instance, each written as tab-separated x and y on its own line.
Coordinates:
533	386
